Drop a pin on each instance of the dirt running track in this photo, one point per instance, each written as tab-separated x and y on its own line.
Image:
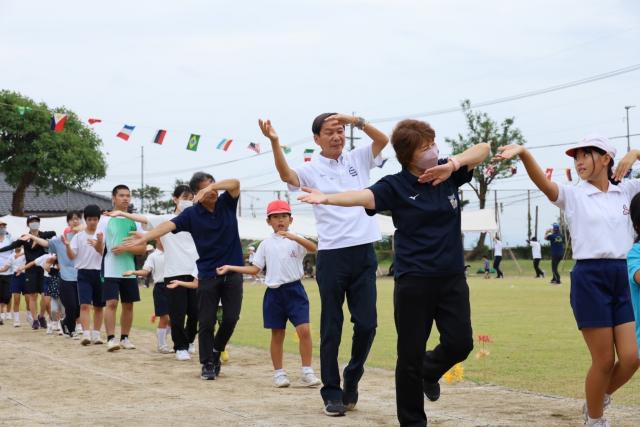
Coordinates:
54	380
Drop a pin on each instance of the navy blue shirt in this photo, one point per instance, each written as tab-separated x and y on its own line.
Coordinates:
428	239
215	234
557	244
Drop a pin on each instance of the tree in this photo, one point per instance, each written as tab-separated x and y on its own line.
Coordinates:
33	155
481	128
152	196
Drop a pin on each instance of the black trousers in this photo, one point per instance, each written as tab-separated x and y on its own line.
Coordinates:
555	261
349	272
228	289
69	298
536	266
418	302
496	266
183	303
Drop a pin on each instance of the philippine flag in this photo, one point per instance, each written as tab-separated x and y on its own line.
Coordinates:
125	133
58	121
224	144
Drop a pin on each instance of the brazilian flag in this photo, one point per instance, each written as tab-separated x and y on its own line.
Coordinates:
193	142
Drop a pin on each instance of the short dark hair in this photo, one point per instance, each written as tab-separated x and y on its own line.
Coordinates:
119	187
92	211
197	178
634	213
71	214
181	189
408	136
316	126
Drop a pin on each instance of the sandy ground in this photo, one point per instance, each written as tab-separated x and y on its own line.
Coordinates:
54	380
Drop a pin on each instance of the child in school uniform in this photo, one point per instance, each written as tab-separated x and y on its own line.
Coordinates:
285	298
633	264
597	213
485	266
16	261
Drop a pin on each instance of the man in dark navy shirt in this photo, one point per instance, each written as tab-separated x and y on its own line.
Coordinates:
213	225
557	251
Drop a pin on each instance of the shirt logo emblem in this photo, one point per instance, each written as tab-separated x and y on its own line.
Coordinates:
353	171
625	210
453	201
292	254
414	197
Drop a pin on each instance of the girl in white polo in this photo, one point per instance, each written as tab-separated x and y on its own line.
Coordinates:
597	213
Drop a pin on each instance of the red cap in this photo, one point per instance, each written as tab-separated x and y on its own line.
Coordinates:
278	206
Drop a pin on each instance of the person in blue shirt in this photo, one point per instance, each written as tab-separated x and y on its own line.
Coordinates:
430	283
633	264
213	225
557	251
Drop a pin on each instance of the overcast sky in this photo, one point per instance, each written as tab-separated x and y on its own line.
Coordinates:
213	68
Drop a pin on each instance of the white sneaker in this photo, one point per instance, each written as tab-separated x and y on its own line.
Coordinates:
112	345
49	328
16	320
164	349
607	403
182	355
281	380
192	348
96	338
86	338
309	379
600	422
79	328
126	344
76	335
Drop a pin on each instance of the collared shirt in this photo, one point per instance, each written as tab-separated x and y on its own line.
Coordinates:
599	221
428	239
338	226
68	270
215	234
282	257
180	251
536	250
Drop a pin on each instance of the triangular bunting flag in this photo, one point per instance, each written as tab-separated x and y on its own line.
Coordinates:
308	152
286	149
125	132
57	122
514	170
548	173
22	109
224	144
93	120
159	138
567	172
193	142
254	147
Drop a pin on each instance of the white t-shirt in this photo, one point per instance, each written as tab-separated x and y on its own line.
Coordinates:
341	227
283	259
5	257
15	263
156	265
180	251
40	262
497	248
87	258
536	250
599	222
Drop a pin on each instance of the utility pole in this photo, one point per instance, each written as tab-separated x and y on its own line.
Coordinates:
141	178
352	138
536	221
628	107
528	214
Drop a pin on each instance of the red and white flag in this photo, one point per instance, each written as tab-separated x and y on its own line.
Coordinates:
548	173
58	121
567	172
93	120
126	131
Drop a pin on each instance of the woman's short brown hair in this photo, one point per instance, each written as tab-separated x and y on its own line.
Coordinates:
408	136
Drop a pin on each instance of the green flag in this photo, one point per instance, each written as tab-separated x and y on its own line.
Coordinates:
22	110
193	142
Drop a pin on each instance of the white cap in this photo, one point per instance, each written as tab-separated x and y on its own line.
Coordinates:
601	142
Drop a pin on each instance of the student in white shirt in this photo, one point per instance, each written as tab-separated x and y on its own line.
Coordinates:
536	254
5	277
13	265
285	298
597	213
497	256
343	234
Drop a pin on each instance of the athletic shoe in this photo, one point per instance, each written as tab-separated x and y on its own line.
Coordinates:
2	319
76	335
224	356
216	363
350	397
86	339
208	371
309	380
334	408
182	355
96	338
35	325
42	321
16	323
600	422
431	390
126	344
192	348
79	328
50	328
281	380
607	403
112	345
164	349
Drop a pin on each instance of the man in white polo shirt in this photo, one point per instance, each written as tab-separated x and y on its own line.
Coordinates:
346	261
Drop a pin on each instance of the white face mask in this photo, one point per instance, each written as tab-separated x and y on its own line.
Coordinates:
184	204
33	226
428	158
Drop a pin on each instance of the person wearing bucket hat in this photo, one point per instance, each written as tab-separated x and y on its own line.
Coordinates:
597	214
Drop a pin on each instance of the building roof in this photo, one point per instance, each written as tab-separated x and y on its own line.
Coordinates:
50	204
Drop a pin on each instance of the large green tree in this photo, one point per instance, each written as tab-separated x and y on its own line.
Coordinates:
33	155
481	128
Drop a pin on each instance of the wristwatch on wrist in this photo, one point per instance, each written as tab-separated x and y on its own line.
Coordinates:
360	123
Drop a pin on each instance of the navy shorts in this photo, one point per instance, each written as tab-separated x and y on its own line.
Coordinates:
90	288
600	296
124	288
17	284
5	289
33	280
287	302
45	285
160	299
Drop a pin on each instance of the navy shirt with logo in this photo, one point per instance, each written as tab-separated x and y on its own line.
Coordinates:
557	244
428	239
215	234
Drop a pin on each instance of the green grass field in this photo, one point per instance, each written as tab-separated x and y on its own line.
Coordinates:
536	345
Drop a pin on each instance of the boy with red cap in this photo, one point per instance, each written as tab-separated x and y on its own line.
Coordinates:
285	298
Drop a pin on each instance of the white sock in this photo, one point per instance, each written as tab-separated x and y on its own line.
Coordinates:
307	370
278	372
161	334
16	316
167	333
592	421
86	334
78	328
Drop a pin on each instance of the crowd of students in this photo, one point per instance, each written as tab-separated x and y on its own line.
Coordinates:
197	264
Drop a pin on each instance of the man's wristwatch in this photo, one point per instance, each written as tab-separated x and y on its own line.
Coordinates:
360	123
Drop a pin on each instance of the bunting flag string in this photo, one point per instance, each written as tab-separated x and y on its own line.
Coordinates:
254	147
548	173
57	122
159	138
308	152
193	142
125	132
224	144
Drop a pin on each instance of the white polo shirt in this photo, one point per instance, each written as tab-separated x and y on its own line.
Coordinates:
155	264
179	249
599	222
497	248
283	259
337	226
536	250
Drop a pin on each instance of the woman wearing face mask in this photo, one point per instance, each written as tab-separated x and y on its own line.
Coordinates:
430	283
597	212
34	277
